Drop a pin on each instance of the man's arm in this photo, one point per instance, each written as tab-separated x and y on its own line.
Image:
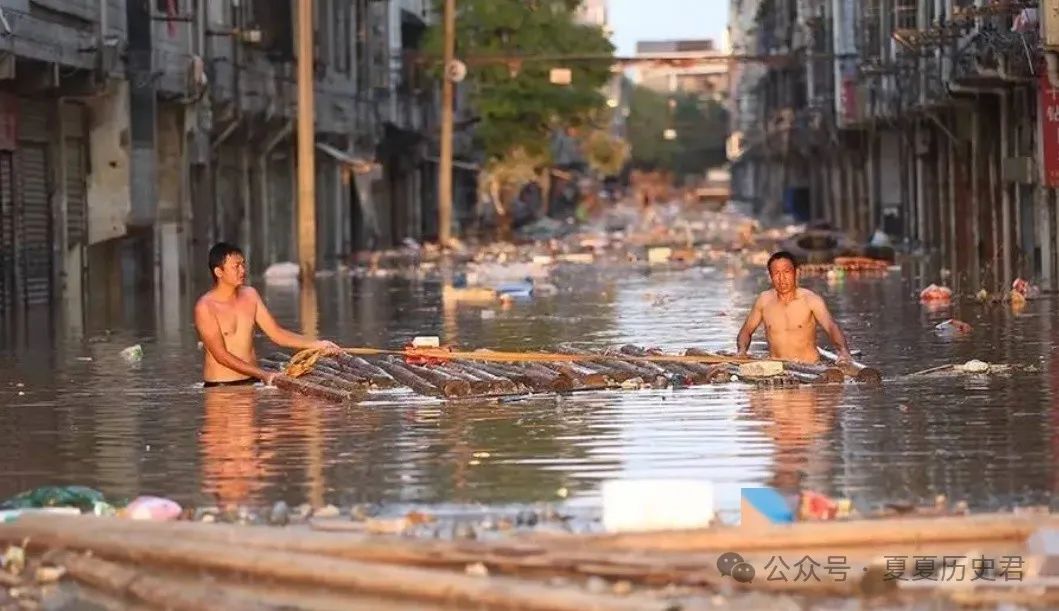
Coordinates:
281	336
213	341
753	321
828	324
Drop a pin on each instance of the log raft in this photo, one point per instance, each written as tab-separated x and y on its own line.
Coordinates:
345	378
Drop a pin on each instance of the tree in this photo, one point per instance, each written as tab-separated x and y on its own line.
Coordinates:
701	127
517	105
516	102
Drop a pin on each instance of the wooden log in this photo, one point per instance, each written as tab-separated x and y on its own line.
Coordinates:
569	554
582	377
408	583
534	380
821	373
332	381
560	382
505	385
401	374
481	385
312	390
545	378
362	369
369	365
346	376
160	592
855	370
813	535
502	370
595	362
685	374
618	375
450	385
633	370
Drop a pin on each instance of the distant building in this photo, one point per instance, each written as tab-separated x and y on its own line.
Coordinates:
699	74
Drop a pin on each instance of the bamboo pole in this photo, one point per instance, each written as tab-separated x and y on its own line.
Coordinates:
312	570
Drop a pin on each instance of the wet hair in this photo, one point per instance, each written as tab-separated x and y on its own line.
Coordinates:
776	256
220	253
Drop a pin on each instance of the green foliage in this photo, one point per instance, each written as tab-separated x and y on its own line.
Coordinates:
517	103
701	127
605	153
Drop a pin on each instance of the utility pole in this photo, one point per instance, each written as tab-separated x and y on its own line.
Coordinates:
445	162
306	144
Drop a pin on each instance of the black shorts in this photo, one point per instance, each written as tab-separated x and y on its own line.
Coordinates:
245	382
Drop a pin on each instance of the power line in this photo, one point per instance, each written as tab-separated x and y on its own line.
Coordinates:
675	59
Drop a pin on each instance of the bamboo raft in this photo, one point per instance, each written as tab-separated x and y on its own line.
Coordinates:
349	375
193	565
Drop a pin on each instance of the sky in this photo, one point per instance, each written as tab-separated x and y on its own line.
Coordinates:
635	20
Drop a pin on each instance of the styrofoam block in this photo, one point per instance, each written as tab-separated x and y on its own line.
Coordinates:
657	504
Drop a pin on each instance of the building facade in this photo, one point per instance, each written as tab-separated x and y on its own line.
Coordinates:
929	120
708	79
135	134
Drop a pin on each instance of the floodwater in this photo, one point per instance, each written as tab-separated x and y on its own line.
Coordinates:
73	412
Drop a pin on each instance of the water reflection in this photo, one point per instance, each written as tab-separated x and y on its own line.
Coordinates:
235	448
797	421
86	416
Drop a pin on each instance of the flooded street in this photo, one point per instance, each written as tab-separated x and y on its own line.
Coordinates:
73	412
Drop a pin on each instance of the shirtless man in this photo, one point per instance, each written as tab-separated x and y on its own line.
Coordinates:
791	315
225	318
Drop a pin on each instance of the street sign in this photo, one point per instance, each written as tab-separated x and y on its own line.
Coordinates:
1048	107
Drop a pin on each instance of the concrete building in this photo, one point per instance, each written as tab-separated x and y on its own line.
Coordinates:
925	119
138	133
705	78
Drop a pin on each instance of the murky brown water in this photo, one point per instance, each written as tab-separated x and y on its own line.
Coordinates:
151	429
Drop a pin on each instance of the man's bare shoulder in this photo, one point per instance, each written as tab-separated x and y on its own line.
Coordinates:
204	302
809	296
249	293
766	298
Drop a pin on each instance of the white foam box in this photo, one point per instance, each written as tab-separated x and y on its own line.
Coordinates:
1043	547
426	341
659	254
638	505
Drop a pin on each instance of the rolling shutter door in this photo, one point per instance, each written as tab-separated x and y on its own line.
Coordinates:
33	217
7	231
35	223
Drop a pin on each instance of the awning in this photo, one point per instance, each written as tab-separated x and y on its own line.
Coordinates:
359	165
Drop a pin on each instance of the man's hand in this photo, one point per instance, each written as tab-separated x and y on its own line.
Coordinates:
270	379
325	345
845	358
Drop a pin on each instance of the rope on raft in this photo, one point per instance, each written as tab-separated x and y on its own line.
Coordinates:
303	362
